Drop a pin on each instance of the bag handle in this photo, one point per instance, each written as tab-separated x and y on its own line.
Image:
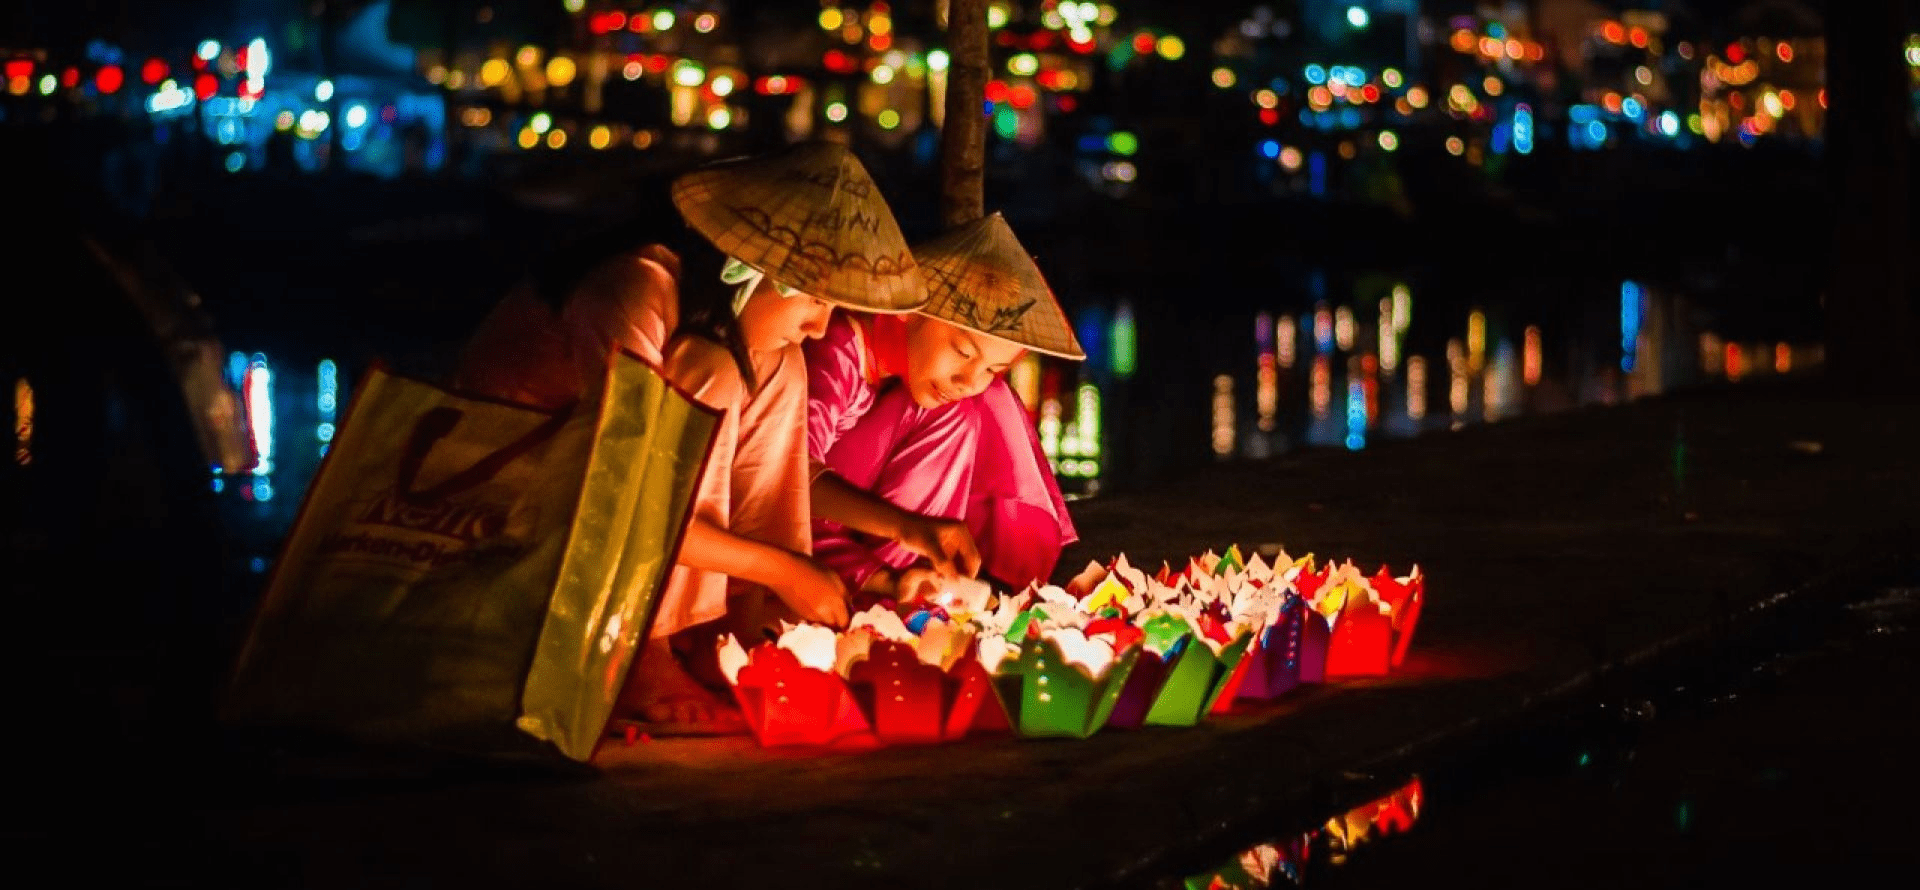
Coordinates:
434	425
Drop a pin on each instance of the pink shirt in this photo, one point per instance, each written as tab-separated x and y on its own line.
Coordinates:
842	381
841	389
977	459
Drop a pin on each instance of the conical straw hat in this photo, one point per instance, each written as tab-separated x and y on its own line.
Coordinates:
811	218
980	278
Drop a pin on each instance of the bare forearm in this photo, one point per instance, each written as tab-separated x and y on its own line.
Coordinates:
710	547
841	501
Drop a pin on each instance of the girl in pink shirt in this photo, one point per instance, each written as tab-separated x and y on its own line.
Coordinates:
925	463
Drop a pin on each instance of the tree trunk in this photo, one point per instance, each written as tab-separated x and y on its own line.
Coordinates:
963	141
1870	316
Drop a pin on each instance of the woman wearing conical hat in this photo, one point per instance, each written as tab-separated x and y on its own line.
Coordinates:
771	245
926	463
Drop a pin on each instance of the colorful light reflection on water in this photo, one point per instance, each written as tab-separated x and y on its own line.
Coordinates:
1363	382
1283	860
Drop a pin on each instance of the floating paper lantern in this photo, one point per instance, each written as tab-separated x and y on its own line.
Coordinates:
908	701
1404	596
920	688
875	681
1058	682
1179	675
790	690
1373	622
1291	651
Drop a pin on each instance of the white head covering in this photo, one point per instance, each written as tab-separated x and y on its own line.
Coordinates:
746	278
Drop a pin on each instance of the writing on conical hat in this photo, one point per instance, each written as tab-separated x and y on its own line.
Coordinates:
980	278
812	219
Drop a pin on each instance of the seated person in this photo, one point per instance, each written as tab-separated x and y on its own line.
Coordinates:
925	463
721	312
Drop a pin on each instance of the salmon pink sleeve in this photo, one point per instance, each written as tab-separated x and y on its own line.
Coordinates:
838	394
629	302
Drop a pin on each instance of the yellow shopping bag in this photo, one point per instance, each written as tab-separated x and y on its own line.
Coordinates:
466	573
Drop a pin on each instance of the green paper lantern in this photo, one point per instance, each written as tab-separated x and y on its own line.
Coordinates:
1048	697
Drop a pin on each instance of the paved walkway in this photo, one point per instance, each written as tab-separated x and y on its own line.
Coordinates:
1553	546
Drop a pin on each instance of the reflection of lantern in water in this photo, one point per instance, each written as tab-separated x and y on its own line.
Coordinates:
1223	434
1476	340
1049	428
1736	362
1122	344
1393	814
1081	438
1498	386
327	401
1322	385
1632	308
1782	354
1266	390
1284	336
1389	341
1323	330
1530	356
1343	328
682	102
1713	356
259	395
1457	382
1402	308
22	422
1370	382
1356	413
1417	387
1266	394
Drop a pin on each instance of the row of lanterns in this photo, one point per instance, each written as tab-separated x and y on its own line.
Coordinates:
1116	647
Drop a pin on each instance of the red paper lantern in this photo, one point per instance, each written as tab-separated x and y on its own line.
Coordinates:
787	703
1368	642
908	701
1362	643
